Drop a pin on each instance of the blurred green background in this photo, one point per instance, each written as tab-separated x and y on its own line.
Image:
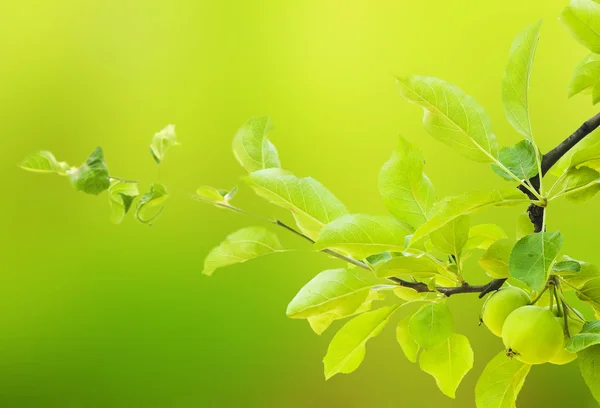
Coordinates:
98	315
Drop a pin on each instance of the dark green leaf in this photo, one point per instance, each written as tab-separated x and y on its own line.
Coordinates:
520	159
92	177
533	256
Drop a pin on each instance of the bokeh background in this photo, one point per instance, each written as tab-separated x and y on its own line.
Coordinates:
98	315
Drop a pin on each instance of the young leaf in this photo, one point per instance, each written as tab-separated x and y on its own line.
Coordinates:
587	337
347	348
407	343
337	292
501	382
590	292
431	325
44	162
452	237
120	197
579	185
520	160
582	18
362	235
163	141
587	271
251	147
467	204
483	235
209	193
515	84
241	246
407	192
524	225
566	266
448	363
92	177
532	257
589	365
414	266
452	117
587	78
151	204
588	156
495	259
312	205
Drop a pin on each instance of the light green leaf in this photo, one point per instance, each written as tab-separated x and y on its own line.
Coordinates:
241	246
448	363
590	292
431	325
407	192
501	382
579	185
452	237
151	205
208	193
524	225
588	156
586	78
44	162
338	292
419	266
120	197
251	147
566	266
311	204
565	162
362	235
533	256
587	271
466	204
587	337
92	177
483	235
407	343
411	295
347	348
520	160
589	365
163	141
515	83
496	258
452	117
582	18
376	259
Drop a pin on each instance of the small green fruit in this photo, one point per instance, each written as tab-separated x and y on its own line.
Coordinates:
500	305
532	335
565	356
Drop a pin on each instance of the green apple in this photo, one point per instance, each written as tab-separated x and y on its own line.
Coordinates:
500	305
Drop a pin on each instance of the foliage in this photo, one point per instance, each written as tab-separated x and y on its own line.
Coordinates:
417	253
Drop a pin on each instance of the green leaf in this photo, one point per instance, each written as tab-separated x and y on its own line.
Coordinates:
566	266
588	156
582	18
92	177
208	193
347	348
312	205
163	141
520	160
587	78
336	292
466	204
565	162
483	235
120	197
411	295
452	117
419	266
589	365
501	382
407	192
590	292
376	259
407	343
533	256
241	246
495	259
587	337
515	83
587	271
44	162
452	237
431	325
151	205
448	363
362	235
524	225
251	147
579	185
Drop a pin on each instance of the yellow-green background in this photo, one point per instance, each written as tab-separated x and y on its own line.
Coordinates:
97	315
